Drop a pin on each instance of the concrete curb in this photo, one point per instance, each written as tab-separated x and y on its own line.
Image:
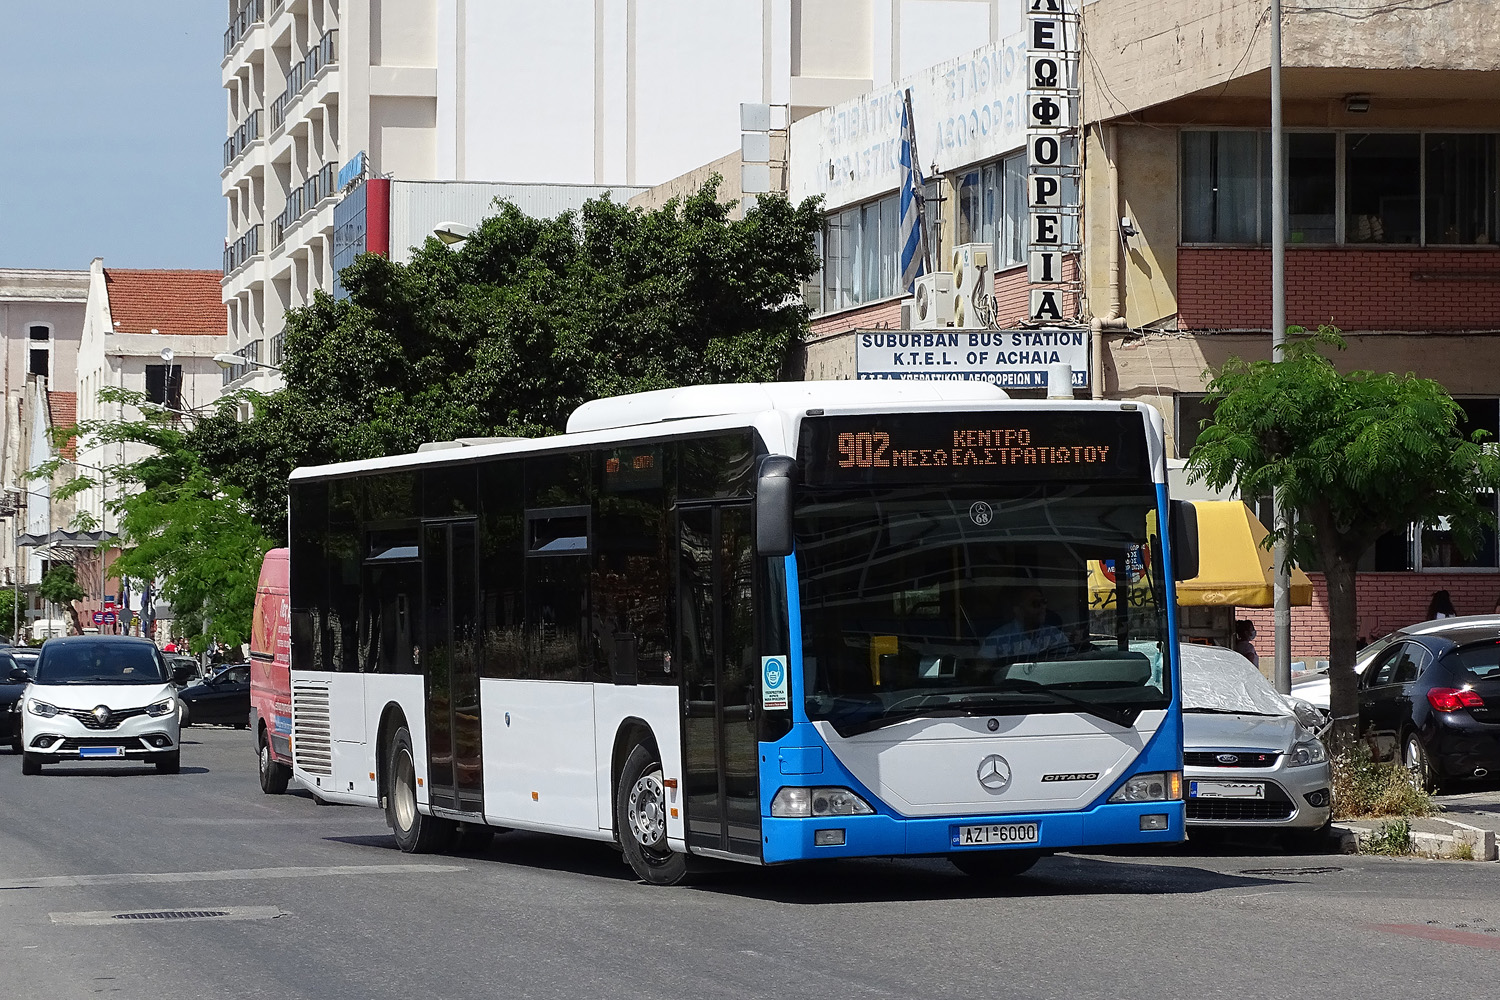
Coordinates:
1458	838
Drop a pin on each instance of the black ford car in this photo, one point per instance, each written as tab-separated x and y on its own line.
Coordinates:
1432	700
11	686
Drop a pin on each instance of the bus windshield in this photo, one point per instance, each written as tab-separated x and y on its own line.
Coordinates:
983	600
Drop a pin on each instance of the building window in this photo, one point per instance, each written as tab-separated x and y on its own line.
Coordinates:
164	385
860	254
40	360
1342	188
1383	188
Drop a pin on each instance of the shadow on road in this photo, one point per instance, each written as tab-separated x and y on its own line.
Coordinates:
877	881
858	880
123	771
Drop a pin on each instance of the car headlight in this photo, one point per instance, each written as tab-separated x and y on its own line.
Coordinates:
164	707
1157	786
793	802
1310	752
41	708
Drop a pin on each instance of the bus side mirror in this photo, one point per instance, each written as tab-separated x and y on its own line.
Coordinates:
773	505
1183	520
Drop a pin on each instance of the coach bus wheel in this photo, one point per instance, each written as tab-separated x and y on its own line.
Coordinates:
641	819
415	833
995	866
274	775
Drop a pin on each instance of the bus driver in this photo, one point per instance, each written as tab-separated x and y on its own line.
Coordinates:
1028	635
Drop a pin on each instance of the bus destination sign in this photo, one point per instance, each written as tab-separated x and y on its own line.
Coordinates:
1035	445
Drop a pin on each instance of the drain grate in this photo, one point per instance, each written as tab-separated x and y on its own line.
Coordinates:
1290	871
103	918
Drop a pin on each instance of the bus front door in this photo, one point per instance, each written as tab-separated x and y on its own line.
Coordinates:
450	666
716	648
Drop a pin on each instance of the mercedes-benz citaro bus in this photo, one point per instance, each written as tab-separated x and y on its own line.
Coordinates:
765	623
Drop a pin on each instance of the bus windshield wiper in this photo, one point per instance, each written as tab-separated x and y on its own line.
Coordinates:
1120	715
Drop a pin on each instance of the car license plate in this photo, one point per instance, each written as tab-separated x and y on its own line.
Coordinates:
998	833
1226	790
101	751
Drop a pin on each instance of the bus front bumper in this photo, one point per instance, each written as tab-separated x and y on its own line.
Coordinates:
892	836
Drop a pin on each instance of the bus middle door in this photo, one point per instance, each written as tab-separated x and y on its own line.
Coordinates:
450	666
716	649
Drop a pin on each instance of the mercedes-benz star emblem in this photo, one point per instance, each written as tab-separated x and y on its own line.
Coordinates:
981	513
994	773
102	714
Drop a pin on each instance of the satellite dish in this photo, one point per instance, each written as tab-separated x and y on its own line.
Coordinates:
167	354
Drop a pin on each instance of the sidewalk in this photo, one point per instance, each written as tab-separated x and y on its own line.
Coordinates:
1467	824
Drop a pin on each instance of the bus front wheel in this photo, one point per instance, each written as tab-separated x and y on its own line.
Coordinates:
415	833
641	819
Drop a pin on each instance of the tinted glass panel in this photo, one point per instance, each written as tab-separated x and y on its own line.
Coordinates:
501	573
556	617
715	468
448	491
1475	663
1383	184
631	604
308	574
345	552
392	496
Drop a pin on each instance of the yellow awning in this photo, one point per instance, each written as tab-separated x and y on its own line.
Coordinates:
1235	569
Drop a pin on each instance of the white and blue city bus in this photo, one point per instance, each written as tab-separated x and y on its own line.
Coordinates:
765	623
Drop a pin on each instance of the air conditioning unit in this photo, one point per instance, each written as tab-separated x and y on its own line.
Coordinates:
932	301
972	285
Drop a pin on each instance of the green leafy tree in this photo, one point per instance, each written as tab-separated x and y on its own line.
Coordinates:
60	586
181	526
1353	455
8	617
522	322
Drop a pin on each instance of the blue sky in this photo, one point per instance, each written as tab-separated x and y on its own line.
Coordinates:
111	133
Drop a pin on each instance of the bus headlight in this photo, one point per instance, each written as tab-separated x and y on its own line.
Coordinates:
1157	786
796	802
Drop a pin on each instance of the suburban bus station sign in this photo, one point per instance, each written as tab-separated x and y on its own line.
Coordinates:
1011	359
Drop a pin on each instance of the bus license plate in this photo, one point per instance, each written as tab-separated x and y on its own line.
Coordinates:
998	833
101	751
1226	790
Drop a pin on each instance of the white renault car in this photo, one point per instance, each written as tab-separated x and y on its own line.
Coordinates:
1251	758
99	697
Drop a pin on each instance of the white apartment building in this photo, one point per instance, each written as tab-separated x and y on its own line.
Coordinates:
603	92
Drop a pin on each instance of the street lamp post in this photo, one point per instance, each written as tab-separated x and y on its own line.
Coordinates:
227	360
1282	589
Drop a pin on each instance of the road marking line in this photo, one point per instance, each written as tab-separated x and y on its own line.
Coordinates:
227	875
1440	934
107	918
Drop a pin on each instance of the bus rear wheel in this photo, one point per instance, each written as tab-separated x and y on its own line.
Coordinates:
415	833
641	819
995	866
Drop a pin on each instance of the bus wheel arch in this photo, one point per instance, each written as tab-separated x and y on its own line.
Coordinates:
633	732
640	810
391	719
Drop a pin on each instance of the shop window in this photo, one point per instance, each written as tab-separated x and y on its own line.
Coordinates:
1383	188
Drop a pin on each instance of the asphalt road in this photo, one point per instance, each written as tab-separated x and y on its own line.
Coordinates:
322	905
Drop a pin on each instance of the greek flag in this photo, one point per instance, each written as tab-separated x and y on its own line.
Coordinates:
912	236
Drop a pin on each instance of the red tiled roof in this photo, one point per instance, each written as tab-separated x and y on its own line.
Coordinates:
63	409
187	303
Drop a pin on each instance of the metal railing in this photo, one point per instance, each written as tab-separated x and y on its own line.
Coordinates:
278	350
251	353
240	139
243	249
302	74
302	200
253	13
